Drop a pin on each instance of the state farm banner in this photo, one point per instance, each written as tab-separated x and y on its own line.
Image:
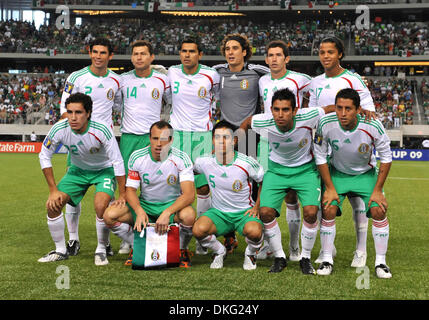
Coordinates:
20	147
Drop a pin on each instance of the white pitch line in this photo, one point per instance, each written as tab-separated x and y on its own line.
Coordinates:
403	178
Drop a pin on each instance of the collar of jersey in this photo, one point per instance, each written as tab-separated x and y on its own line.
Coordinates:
228	164
87	128
107	73
354	129
287	72
345	70
150	153
193	74
137	76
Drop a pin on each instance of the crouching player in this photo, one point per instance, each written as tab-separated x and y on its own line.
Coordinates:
229	174
353	171
95	160
166	180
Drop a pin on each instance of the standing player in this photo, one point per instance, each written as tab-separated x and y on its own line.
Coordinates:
103	86
229	174
291	167
323	90
95	160
280	77
193	88
143	90
166	180
353	170
238	92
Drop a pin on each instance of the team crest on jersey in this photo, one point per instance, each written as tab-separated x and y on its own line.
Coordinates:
171	180
303	143
155	94
202	92
93	150
363	148
155	255
237	186
244	84
110	94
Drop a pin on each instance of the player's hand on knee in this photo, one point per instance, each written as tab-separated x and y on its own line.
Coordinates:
119	203
55	201
253	212
329	196
379	198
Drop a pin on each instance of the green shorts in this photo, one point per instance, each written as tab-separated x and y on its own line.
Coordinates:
76	182
305	180
227	222
130	143
153	210
194	144
360	185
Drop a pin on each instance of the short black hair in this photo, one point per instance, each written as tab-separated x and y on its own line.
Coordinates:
349	93
102	42
161	125
278	44
192	40
284	94
142	43
79	97
338	44
224	124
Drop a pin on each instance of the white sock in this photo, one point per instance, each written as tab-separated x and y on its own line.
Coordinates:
124	231
210	242
103	233
273	234
72	219
185	233
380	233
308	238
56	228
361	222
204	202
327	238
293	218
253	246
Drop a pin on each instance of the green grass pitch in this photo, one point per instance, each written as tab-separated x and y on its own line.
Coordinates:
24	237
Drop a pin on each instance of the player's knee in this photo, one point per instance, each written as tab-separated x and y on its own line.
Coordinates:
267	214
53	213
187	216
310	214
109	217
203	190
291	197
253	231
200	229
330	214
377	213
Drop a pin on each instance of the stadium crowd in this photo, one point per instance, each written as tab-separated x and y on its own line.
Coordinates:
22	96
424	90
302	37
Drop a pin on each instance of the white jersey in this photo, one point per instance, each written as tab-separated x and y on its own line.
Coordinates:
294	147
352	151
230	184
159	181
95	149
142	100
296	82
323	89
103	90
191	97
